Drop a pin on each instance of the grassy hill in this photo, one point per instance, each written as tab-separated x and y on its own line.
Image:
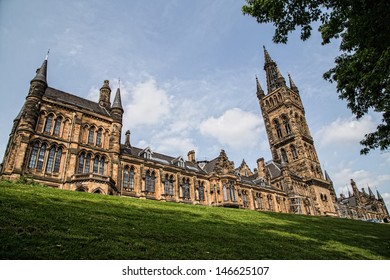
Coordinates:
42	223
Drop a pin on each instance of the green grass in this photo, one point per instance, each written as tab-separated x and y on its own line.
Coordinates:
43	223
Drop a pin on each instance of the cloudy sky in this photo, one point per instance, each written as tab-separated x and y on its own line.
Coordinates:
187	77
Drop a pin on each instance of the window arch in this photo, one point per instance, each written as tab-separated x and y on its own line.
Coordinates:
284	155
168	185
278	128
128	178
41	157
150	181
99	137
233	193
80	168
57	126
225	193
286	124
293	151
91	135
50	160
48	124
33	156
201	195
186	188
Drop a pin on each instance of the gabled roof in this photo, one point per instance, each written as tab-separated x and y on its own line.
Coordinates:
74	100
273	169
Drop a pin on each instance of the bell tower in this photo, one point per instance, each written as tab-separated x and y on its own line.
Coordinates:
289	136
284	116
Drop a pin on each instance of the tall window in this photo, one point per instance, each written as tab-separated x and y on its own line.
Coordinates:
201	192
57	126
101	166
128	178
50	160
58	160
259	201
150	181
245	199
99	137
293	152
87	164
278	128
186	189
284	155
48	124
270	204
80	168
33	156
90	135
225	193
286	125
233	193
96	165
41	157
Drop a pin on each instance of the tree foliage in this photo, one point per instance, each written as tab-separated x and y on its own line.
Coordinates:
362	71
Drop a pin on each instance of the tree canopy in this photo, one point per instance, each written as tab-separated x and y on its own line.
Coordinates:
361	72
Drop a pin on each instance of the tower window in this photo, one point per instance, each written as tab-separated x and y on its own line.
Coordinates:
286	125
278	129
284	155
293	152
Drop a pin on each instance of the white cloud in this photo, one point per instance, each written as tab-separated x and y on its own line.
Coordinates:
236	128
148	105
176	146
345	131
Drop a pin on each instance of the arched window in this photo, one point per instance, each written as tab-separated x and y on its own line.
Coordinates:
57	162
278	128
259	201
286	125
99	137
170	185
33	157
233	193
80	168
96	164
48	124
225	193
50	160
201	192
150	181
167	185
128	178
87	164
41	157
101	166
185	189
57	126
284	155
90	135
293	152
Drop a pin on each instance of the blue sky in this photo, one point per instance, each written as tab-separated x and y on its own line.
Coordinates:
187	76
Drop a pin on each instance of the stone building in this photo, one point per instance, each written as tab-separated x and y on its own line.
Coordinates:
67	142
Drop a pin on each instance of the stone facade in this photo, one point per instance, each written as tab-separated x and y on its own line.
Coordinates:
68	142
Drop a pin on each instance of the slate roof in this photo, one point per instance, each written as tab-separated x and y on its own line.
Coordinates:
273	169
74	100
161	158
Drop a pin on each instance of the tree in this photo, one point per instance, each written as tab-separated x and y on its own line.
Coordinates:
362	71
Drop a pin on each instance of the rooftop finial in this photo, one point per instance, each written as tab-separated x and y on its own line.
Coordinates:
47	54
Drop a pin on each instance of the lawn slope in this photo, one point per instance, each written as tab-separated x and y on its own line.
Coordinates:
43	223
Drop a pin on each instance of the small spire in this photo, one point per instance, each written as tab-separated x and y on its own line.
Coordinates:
370	191
267	57
41	73
260	92
379	195
293	87
117	100
327	177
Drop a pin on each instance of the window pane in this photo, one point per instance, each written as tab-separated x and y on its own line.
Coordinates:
87	164
33	157
50	160
41	157
57	126
81	163
49	121
90	135
96	165
99	137
58	160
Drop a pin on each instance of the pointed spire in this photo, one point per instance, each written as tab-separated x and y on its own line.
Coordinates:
370	192
274	77
379	195
259	90
41	73
117	100
293	87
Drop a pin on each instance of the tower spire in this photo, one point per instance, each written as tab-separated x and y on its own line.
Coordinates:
274	77
41	73
259	90
293	87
